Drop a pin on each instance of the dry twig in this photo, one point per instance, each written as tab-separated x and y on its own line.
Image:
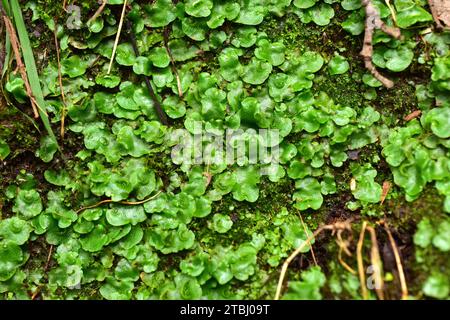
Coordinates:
373	22
21	67
440	9
49	257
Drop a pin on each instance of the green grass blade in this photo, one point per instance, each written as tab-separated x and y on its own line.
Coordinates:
5	4
7	41
30	65
7	56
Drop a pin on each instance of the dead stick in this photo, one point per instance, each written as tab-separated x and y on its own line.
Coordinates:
435	14
373	21
15	45
343	246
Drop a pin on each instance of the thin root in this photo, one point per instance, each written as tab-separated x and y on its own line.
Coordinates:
343	246
333	227
129	203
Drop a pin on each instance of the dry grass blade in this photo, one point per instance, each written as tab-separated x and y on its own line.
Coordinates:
291	257
376	263
306	232
98	12
119	30
343	263
398	261
391	9
63	96
362	276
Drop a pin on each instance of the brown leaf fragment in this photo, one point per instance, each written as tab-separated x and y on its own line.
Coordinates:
385	190
412	115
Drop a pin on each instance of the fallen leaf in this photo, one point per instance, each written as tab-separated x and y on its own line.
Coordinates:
413	115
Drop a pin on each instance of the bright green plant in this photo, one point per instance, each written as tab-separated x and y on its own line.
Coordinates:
129	218
4	150
308	288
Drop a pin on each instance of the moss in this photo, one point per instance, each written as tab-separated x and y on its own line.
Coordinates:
296	35
248	218
396	103
344	89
